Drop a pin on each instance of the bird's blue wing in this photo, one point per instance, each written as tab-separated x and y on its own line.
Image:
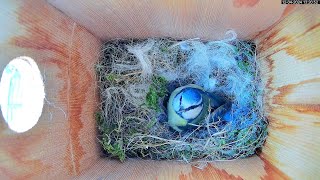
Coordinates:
216	99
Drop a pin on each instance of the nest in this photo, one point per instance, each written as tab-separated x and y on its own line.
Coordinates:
136	78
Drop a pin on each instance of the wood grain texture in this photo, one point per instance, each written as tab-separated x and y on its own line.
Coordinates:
63	142
289	54
208	19
250	168
144	169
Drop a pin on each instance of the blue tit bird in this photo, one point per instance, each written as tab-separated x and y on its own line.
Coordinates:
190	104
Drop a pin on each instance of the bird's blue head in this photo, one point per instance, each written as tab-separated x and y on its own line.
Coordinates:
188	103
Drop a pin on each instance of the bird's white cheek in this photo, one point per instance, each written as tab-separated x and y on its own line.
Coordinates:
193	113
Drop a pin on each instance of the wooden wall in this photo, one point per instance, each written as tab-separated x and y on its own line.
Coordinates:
208	19
63	142
289	54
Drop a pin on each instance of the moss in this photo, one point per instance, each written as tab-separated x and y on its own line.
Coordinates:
115	150
100	121
164	49
151	123
99	118
246	137
187	153
152	99
156	91
244	66
111	77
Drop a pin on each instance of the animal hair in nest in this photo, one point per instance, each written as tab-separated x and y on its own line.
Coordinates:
136	78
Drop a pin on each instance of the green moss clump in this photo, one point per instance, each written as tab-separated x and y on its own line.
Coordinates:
156	90
244	66
115	149
111	78
151	123
100	121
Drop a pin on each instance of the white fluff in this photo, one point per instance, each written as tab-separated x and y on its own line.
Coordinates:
140	51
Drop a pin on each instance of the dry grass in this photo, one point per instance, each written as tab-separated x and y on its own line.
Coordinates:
134	89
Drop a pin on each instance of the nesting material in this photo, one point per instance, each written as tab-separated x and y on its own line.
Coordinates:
136	78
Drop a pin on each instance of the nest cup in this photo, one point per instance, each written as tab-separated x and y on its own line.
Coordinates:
136	78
